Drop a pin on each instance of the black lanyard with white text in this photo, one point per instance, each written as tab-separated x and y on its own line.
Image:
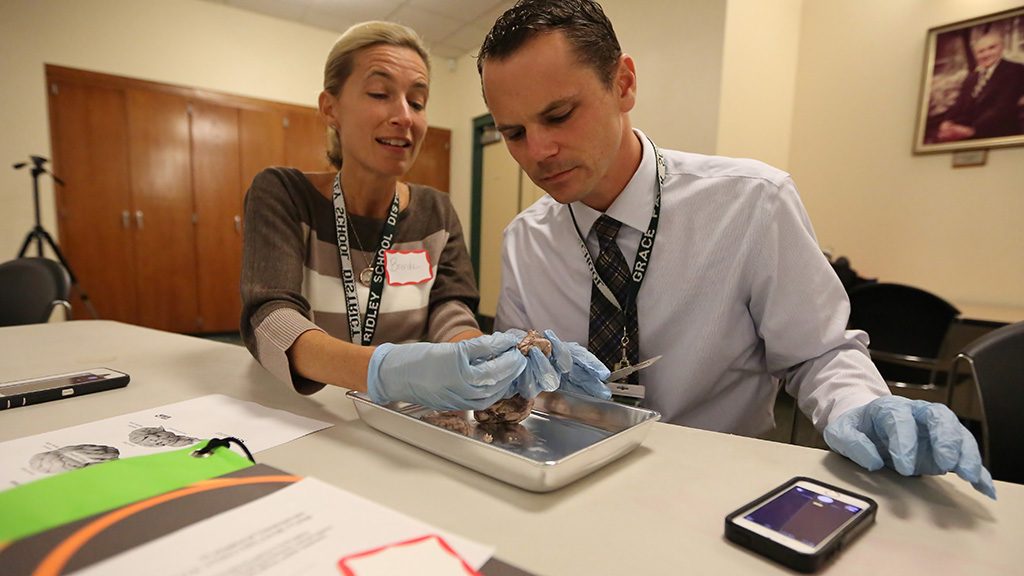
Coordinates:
362	332
643	253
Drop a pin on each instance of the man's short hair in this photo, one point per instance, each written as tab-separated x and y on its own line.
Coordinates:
582	21
990	34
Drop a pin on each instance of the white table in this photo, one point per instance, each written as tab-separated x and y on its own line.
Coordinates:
659	510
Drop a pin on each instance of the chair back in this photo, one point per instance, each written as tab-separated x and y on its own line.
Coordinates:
902	320
30	288
997	368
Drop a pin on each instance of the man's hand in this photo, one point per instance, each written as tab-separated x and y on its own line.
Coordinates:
911	436
580	371
467	375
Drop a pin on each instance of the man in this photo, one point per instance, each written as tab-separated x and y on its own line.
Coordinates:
727	282
989	103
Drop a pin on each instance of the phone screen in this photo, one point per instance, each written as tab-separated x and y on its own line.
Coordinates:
803	515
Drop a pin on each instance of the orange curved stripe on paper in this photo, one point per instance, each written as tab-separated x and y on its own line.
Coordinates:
54	562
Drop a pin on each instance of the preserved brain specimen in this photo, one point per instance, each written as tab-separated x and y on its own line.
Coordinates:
508	411
533	338
515	409
454	421
513	435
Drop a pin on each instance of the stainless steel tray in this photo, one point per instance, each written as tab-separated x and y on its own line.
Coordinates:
565	437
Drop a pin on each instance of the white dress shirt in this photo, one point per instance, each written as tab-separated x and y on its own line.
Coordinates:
737	294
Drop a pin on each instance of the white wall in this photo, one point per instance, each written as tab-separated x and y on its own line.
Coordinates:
678	50
677	46
183	42
899	217
455	99
759	67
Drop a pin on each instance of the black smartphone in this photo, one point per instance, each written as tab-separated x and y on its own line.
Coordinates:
57	386
801	524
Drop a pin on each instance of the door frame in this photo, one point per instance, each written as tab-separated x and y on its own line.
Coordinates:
476	193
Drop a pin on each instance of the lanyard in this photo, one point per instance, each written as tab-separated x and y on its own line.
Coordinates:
643	253
362	332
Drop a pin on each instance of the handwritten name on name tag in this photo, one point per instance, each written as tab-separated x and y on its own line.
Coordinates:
407	267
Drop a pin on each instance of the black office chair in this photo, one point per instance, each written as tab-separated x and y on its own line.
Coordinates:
996	363
30	288
907	326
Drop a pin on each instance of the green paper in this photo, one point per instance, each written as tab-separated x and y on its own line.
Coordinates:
49	502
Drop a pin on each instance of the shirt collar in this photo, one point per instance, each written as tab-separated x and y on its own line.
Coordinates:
634	205
987	71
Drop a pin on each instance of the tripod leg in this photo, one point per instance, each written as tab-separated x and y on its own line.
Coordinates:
24	245
71	274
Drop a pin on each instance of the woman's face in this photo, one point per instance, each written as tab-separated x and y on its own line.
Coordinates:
380	112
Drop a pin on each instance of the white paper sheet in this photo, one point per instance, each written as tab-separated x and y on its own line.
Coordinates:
159	429
305	528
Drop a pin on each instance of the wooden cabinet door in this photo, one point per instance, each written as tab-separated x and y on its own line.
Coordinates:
161	176
89	131
215	186
433	165
261	142
305	142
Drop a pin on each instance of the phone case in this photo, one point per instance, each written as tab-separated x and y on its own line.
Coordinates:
796	560
65	391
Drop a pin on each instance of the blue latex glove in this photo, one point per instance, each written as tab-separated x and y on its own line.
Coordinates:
913	437
581	372
467	375
539	375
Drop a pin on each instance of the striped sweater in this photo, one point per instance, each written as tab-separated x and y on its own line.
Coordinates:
291	280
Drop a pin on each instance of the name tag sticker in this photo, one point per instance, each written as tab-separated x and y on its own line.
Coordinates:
404	267
425	556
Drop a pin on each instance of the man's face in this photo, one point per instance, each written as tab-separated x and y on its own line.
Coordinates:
988	50
561	123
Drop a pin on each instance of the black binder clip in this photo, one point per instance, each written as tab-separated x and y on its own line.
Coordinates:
215	443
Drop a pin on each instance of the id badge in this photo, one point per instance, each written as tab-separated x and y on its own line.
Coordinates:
628	390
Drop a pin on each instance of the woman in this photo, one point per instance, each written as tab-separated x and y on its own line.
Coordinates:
322	248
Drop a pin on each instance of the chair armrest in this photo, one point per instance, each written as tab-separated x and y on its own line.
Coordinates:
905	359
62	304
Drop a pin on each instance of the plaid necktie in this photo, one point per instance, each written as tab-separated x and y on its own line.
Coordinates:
605	319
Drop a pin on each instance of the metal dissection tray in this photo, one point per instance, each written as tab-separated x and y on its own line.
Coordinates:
565	437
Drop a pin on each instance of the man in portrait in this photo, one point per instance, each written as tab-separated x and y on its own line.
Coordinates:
989	103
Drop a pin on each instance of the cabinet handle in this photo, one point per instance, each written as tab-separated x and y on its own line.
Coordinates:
139	221
238	224
126	219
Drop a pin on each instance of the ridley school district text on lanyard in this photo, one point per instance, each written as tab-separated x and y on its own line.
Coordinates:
362	332
643	254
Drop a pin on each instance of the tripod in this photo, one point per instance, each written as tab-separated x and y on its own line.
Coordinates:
40	235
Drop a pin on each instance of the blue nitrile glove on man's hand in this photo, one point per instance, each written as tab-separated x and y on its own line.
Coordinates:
581	371
570	367
912	436
467	375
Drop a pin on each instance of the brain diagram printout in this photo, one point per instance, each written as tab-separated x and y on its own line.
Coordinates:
160	429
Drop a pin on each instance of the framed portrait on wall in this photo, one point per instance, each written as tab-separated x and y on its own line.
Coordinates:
972	94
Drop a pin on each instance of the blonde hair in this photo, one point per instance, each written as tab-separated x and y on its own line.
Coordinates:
341	61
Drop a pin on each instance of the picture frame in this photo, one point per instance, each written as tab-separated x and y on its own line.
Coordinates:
972	89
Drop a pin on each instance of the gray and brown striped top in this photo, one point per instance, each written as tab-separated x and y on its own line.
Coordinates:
291	279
